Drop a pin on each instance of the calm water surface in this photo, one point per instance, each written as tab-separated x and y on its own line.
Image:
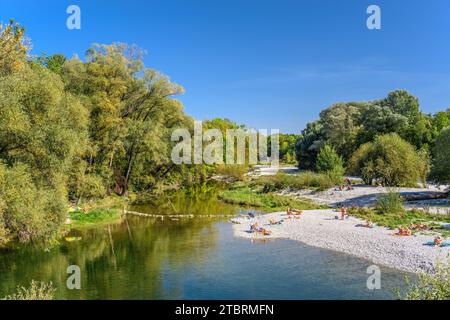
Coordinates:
144	258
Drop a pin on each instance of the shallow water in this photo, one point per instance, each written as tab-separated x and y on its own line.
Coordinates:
199	258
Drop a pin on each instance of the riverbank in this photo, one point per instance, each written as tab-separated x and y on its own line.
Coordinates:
319	228
360	195
95	218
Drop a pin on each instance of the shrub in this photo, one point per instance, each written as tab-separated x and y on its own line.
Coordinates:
390	202
236	171
266	202
392	220
303	180
95	216
389	159
29	212
36	291
328	161
434	286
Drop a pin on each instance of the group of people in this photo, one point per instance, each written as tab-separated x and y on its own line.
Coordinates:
254	228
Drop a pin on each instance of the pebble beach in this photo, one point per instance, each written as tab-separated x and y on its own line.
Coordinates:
320	228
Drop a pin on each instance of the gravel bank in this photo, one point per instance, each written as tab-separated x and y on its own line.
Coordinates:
320	228
360	196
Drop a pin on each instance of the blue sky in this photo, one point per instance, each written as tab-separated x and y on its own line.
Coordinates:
268	64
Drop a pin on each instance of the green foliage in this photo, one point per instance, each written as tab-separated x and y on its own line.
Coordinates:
42	130
96	216
287	144
54	63
348	126
441	164
390	202
236	171
308	145
441	120
328	161
430	286
264	201
13	48
403	218
390	160
341	127
303	180
36	291
402	102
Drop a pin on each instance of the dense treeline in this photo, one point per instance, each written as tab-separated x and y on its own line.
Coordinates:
389	140
73	129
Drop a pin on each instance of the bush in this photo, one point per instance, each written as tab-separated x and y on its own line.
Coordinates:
29	212
430	286
236	171
36	291
328	161
393	220
390	202
303	180
389	159
3	231
266	202
95	216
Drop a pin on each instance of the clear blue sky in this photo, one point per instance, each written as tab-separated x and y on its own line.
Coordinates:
268	64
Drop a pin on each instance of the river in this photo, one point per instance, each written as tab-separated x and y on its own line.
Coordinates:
148	258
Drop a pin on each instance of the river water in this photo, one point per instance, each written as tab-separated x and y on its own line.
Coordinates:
148	258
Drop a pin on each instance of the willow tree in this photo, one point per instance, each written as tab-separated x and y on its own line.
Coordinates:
391	160
132	112
42	131
13	48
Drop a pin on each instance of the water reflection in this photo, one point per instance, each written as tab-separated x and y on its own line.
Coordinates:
147	258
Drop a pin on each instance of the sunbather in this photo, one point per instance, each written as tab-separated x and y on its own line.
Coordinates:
438	240
294	212
403	232
273	222
254	227
365	225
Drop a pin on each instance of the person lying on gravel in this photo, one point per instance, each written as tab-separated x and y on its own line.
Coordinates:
274	222
365	225
438	240
255	229
293	212
403	232
420	227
